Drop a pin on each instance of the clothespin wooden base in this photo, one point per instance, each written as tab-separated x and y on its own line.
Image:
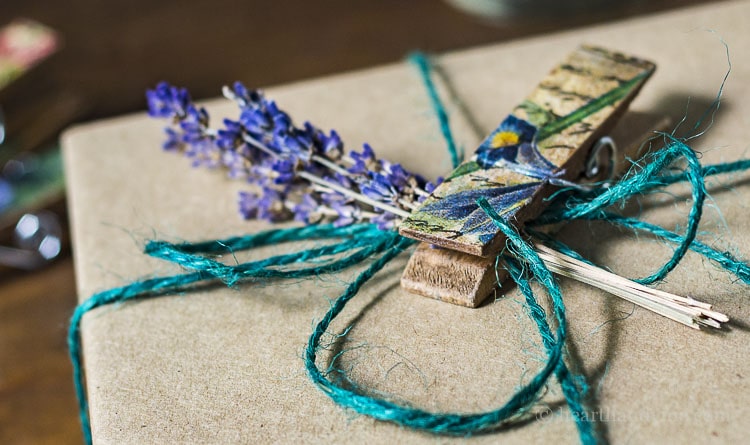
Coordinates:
451	276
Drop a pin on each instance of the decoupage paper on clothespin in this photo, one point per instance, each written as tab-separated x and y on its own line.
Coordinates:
543	143
223	365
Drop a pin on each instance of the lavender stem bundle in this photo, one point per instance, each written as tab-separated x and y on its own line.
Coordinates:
299	173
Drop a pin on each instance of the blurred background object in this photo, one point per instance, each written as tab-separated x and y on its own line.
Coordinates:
37	240
497	10
95	59
23	44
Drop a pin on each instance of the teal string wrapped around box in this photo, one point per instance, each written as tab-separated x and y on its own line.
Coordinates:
352	245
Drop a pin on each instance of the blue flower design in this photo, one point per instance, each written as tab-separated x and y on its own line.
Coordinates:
512	145
463	206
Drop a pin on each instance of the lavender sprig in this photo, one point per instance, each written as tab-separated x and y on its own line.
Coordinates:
296	172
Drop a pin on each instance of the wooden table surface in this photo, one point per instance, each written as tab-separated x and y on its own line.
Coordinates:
114	50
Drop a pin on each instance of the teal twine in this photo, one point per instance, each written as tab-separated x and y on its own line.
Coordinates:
637	183
524	256
364	238
358	243
659	182
634	184
725	260
585	210
422	62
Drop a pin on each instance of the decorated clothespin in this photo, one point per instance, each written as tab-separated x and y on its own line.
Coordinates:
546	143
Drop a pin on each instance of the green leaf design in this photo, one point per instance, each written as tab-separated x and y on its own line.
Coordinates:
464	169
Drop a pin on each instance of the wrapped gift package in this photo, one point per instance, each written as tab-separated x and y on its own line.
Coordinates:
224	365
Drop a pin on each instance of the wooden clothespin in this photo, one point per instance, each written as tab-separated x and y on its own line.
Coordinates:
542	145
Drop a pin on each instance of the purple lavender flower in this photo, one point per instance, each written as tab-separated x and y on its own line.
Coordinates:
281	120
245	96
284	171
269	205
248	204
261	174
307	210
385	221
347	214
329	198
430	187
363	162
230	137
194	125
379	188
192	135
293	145
396	175
167	101
204	153
236	164
329	146
174	140
255	121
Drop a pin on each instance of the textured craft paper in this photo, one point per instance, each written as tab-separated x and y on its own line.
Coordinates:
224	365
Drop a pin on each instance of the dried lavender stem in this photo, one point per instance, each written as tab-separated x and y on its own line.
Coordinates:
332	165
339	169
227	92
323	210
357	196
259	145
687	311
335	187
408	205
